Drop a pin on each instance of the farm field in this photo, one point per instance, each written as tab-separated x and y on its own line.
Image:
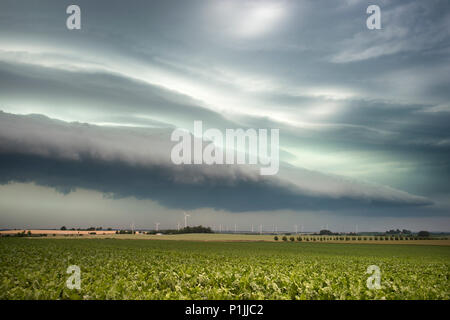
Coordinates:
32	268
221	237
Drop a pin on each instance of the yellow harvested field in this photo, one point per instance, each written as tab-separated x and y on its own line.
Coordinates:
57	232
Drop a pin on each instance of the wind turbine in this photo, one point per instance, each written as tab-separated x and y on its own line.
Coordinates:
252	228
157	225
296	229
185	218
260	229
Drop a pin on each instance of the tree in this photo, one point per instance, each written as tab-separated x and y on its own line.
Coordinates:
63	228
423	234
325	232
189	229
284	238
275	238
292	238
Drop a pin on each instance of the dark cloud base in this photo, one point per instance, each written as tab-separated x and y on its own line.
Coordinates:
119	180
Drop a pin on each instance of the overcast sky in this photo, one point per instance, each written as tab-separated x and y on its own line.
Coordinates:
364	115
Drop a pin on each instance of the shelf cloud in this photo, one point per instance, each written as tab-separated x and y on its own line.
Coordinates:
130	162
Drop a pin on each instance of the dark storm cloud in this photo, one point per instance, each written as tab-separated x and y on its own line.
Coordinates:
118	180
336	87
127	162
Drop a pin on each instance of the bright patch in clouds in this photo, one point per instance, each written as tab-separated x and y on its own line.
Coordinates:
250	19
260	19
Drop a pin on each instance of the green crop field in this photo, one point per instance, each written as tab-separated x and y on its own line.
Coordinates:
145	269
